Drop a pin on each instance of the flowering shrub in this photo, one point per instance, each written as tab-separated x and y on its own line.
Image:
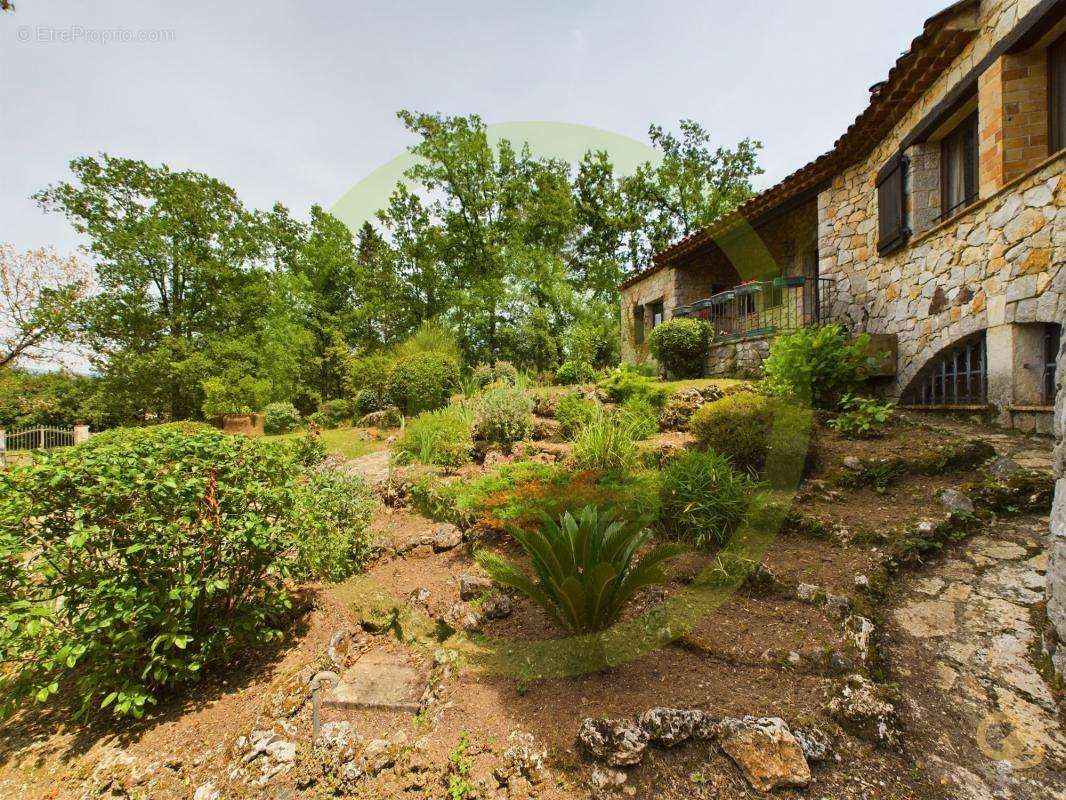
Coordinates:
504	414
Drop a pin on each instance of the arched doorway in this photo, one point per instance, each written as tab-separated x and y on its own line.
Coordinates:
956	376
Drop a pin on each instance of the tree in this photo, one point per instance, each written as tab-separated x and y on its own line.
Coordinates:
41	297
691	187
179	263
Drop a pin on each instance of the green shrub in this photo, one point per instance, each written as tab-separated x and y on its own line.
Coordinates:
680	345
640	416
307	450
817	365
329	526
423	382
626	382
863	417
574	372
585	568
504	414
366	382
703	499
165	546
757	433
234	394
573	411
437	437
501	372
332	413
605	445
432	336
280	418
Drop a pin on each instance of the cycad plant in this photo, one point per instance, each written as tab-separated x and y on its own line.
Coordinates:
586	567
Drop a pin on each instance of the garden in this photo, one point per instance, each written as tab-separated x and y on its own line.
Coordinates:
604	582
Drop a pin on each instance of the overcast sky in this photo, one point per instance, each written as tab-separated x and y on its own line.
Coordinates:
296	101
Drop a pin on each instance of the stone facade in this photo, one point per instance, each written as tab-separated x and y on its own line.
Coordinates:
1056	575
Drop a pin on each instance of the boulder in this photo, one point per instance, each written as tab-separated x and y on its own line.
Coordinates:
473	586
386	418
618	742
956	502
672	726
866	709
766	752
206	791
497	606
546	428
807	592
1003	468
446	537
817	745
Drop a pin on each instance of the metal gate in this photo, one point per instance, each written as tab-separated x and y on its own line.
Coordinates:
40	438
957	377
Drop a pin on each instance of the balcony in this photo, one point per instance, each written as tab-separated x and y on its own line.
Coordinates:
764	308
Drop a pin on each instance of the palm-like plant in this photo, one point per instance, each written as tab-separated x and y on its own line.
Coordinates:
586	568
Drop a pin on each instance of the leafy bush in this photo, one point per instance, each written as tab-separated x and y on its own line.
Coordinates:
329	526
367	381
500	372
165	545
585	569
640	416
747	428
280	418
703	499
863	417
432	336
574	372
504	414
307	450
606	445
626	382
680	345
437	437
817	365
423	382
234	394
573	412
332	413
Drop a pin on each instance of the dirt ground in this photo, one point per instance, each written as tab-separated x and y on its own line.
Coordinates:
762	652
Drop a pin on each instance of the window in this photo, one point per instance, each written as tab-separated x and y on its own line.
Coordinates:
1056	56
638	324
657	313
958	168
892	221
957	376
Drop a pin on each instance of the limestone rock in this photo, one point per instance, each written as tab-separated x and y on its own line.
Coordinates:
866	709
446	537
206	791
523	758
672	726
546	428
620	743
956	502
386	418
807	592
473	586
605	780
766	752
817	745
497	606
1003	468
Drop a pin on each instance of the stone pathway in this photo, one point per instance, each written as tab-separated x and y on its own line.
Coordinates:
1028	450
962	649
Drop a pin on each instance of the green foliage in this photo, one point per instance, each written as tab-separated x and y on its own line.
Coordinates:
739	426
165	545
680	345
329	530
307	450
862	418
432	336
440	437
234	394
503	414
703	498
817	365
586	568
606	445
48	398
574	411
332	413
626	382
280	418
574	372
639	416
459	766
423	382
500	372
367	382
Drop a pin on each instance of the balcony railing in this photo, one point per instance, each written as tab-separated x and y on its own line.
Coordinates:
762	308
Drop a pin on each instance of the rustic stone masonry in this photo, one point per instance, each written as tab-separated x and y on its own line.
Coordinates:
1056	576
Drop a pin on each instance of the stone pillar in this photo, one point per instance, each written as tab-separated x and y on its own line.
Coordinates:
1012	127
81	434
1056	575
999	352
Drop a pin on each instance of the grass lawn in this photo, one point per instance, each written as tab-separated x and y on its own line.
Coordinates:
345	441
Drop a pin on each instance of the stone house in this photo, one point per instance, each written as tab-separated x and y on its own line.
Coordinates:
937	223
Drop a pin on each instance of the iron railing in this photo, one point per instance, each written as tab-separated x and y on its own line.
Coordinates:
762	308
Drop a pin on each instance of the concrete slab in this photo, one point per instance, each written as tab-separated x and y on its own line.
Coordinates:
379	680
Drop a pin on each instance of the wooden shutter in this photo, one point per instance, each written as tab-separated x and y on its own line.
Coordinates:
892	228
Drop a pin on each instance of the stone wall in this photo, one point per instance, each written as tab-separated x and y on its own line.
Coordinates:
1056	575
997	263
740	359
